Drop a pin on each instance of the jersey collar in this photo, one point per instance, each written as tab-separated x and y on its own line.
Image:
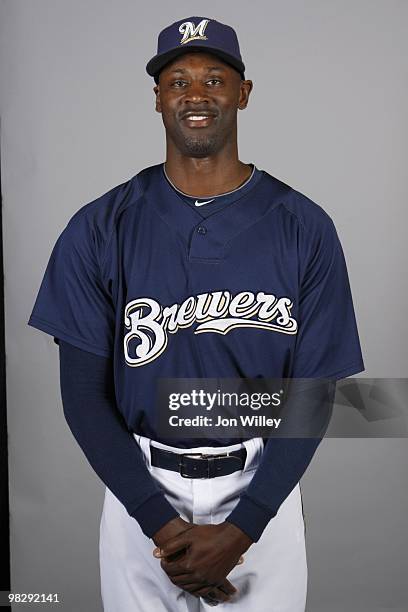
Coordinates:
207	239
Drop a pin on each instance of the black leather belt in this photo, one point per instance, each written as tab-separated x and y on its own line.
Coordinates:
198	465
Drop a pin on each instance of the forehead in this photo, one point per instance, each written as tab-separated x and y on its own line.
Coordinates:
196	60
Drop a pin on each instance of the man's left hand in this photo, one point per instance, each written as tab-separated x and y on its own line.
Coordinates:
211	552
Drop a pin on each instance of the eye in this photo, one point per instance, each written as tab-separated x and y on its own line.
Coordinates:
214	80
177	83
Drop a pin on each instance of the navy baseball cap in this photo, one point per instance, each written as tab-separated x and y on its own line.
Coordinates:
196	33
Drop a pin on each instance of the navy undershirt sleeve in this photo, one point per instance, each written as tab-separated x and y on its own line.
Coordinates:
283	463
90	410
307	413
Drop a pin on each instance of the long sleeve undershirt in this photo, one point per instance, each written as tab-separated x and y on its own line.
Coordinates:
89	405
90	410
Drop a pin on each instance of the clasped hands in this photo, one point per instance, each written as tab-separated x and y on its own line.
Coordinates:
198	558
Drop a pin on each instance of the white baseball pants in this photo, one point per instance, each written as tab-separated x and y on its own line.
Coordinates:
272	578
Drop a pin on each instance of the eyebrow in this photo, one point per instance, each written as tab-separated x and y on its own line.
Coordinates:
208	68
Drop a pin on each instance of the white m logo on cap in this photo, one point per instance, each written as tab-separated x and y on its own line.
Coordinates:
190	32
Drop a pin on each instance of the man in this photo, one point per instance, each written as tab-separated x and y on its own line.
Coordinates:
202	266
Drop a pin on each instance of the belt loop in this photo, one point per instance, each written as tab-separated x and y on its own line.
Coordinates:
254	447
144	444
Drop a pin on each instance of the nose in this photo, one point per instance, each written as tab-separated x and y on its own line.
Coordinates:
196	92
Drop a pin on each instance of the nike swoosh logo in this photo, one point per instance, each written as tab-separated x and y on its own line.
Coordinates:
202	203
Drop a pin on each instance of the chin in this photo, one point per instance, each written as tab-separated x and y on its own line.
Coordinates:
200	147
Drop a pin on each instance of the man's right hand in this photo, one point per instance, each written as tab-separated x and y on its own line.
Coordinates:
215	594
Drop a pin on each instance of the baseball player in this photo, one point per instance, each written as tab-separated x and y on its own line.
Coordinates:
201	266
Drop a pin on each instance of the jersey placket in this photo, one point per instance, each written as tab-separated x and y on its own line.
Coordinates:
206	239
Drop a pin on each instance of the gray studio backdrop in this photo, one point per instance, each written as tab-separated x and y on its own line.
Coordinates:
328	116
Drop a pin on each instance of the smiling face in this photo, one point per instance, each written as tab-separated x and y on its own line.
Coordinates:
198	97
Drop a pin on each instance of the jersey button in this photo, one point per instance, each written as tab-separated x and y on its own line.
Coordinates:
201	230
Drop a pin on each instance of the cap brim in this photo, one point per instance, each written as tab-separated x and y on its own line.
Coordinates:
158	62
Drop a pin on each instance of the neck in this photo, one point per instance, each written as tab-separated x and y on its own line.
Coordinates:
203	176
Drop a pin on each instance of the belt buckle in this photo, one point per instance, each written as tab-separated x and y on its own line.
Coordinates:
210	463
181	465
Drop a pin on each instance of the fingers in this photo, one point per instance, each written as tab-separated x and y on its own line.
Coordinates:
227	587
214	596
175	544
176	566
172	568
212	593
169	531
183	580
221	592
210	602
186	582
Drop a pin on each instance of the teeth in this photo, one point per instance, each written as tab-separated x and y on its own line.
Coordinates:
197	117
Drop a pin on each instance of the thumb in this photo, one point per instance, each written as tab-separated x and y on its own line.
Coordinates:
173	545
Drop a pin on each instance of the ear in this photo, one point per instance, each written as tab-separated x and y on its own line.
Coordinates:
156	90
245	90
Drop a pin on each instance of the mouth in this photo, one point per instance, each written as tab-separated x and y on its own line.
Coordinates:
198	120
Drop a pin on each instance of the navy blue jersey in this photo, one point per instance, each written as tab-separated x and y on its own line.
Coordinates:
255	287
